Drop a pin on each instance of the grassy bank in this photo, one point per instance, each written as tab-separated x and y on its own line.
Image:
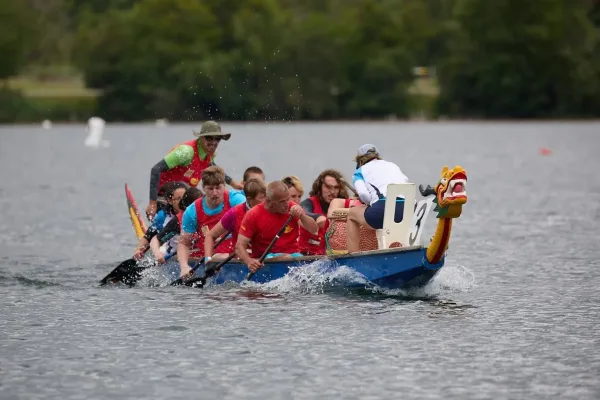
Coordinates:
63	97
33	87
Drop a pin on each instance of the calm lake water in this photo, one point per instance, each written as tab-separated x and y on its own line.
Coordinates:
514	314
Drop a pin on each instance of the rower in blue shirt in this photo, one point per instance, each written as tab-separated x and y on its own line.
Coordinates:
199	218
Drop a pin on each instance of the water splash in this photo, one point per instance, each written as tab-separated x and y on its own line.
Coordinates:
450	279
324	275
321	275
153	276
314	278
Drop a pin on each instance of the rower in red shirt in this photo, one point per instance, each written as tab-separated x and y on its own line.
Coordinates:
262	222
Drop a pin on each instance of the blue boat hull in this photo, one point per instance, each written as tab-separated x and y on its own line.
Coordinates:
398	268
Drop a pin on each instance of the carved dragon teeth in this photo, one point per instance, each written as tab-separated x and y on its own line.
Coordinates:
449	193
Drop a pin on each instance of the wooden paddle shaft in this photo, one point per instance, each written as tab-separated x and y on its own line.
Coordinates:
349	186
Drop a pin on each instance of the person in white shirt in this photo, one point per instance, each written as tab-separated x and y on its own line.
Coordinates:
371	178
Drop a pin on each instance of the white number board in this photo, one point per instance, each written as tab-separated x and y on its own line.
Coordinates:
421	211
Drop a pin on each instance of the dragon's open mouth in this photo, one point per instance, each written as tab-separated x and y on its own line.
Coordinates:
457	188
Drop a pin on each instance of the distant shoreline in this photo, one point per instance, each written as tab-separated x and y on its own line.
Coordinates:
440	121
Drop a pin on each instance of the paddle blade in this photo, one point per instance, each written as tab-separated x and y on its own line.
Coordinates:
128	272
196	282
121	270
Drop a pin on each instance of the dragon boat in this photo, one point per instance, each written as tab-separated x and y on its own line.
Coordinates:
392	257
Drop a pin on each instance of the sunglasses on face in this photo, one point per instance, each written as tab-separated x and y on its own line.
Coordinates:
212	138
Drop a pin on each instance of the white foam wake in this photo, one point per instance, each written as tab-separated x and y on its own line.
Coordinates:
320	275
317	277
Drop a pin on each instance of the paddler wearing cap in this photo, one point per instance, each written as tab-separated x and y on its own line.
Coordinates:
371	178
186	161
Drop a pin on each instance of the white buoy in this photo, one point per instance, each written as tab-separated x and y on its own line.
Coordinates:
161	123
46	124
95	129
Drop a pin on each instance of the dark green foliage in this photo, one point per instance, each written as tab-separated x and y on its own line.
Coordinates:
310	59
521	59
17	35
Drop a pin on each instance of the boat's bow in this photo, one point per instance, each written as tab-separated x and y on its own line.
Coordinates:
450	195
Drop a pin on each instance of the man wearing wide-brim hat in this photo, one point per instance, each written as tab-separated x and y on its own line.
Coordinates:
186	161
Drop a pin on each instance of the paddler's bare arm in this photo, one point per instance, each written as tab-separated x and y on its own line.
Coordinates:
241	251
183	253
155	247
306	221
209	240
309	224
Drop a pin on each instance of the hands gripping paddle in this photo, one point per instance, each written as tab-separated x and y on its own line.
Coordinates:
201	262
268	249
200	282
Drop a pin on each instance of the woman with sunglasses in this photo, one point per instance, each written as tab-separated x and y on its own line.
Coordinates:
173	192
165	242
186	161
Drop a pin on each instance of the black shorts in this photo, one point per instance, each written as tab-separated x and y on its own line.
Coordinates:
375	212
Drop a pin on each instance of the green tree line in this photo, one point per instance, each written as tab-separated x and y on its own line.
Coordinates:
315	59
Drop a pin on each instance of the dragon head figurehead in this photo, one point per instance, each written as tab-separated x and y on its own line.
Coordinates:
451	192
450	195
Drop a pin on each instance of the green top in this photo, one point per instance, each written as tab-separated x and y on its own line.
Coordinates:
183	155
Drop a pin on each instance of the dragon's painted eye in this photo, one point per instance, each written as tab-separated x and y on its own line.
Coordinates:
443	181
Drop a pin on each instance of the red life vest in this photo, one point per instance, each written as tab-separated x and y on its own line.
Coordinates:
208	221
309	244
194	253
190	174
